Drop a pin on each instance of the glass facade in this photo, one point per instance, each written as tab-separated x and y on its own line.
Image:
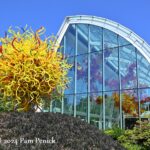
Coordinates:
110	78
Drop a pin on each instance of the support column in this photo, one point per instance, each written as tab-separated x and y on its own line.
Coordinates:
120	93
137	75
88	103
103	87
75	75
62	99
62	105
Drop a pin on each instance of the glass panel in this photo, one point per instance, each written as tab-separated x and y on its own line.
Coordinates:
144	95
111	69
70	37
71	76
122	41
96	113
110	39
81	106
56	105
96	72
82	41
68	104
95	38
127	70
46	101
61	49
129	103
143	71
112	109
82	74
128	67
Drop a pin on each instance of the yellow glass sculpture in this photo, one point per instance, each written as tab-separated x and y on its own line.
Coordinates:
30	68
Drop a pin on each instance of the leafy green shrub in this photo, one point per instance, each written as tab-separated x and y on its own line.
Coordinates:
115	132
130	146
136	139
140	136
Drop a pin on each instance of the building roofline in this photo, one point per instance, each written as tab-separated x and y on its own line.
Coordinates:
119	29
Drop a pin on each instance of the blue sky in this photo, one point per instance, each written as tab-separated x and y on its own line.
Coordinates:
134	14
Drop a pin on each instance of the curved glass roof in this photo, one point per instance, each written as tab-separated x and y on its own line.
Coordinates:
117	28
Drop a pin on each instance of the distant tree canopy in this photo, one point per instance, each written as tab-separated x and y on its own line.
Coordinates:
30	68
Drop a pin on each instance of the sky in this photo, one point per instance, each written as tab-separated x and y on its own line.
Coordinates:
133	14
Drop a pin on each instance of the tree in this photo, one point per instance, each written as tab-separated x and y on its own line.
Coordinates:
30	68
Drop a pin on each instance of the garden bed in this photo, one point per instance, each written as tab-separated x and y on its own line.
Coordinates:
51	131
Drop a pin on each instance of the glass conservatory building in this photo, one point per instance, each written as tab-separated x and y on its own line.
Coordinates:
110	76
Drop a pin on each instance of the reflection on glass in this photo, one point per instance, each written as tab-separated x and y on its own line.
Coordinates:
81	106
96	79
70	86
110	39
95	38
56	105
130	103
82	74
46	103
96	112
111	70
82	39
143	71
70	41
145	102
122	41
68	104
128	67
61	49
111	110
102	42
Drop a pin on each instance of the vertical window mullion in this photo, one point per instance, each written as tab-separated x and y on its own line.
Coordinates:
120	93
103	71
62	99
88	103
137	76
75	75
